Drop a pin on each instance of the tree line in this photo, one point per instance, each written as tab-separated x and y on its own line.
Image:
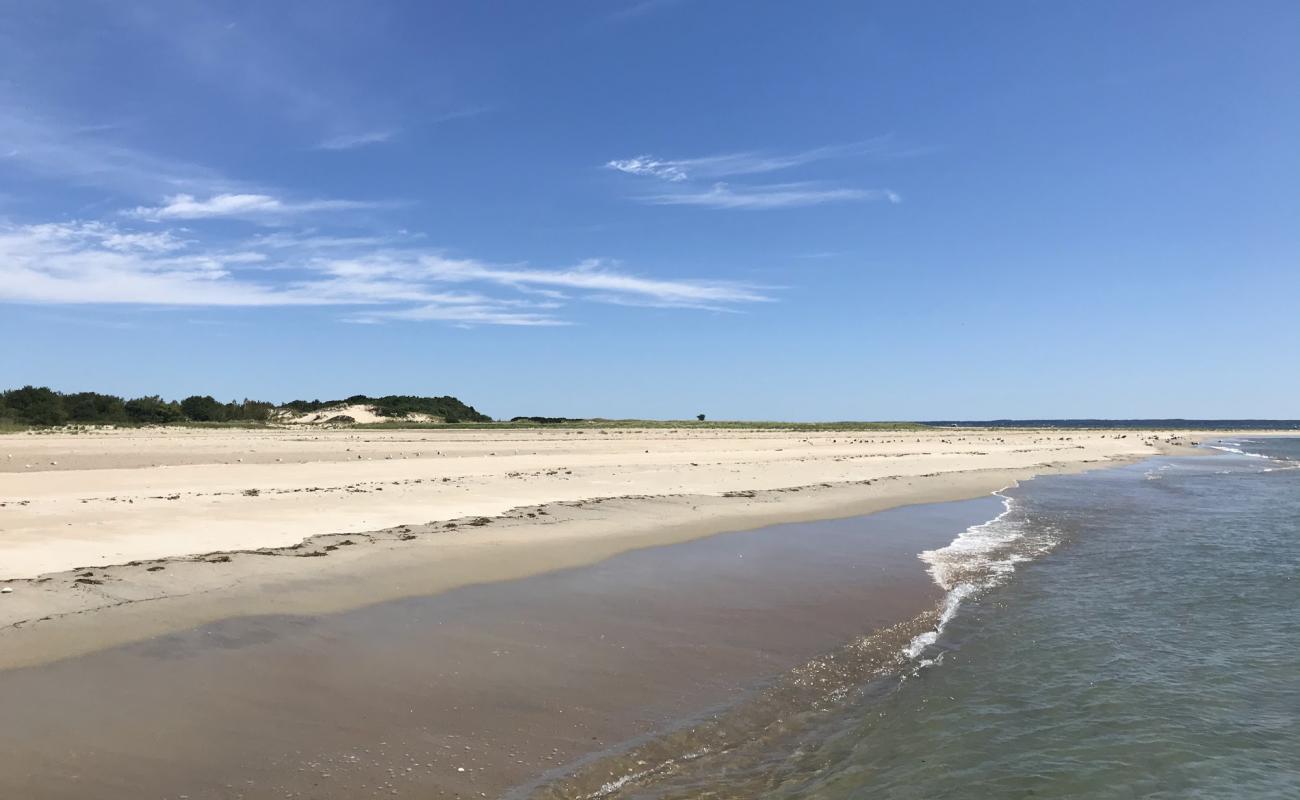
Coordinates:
40	405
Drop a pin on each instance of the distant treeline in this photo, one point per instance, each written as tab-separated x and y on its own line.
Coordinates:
41	406
547	420
1183	424
399	405
38	405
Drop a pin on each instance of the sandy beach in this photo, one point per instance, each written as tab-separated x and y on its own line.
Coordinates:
649	400
185	519
150	573
73	500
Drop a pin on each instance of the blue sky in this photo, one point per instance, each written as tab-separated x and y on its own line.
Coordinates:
822	210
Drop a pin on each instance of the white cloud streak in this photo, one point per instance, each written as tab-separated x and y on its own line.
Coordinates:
770	196
638	9
466	314
257	207
100	263
596	276
750	162
649	165
351	141
687	176
96	263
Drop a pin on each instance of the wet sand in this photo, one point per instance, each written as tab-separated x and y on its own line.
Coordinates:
471	692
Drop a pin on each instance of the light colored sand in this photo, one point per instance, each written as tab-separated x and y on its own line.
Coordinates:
113	497
359	413
379	501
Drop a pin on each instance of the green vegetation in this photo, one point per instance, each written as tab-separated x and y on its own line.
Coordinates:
91	406
33	405
203	408
40	406
153	410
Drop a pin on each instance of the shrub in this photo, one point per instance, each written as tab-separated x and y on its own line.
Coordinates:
35	405
94	408
153	410
203	408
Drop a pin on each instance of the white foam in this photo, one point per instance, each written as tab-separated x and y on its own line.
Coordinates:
611	787
950	604
1229	447
981	556
974	549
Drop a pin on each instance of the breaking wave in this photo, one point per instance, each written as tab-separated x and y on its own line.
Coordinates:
981	557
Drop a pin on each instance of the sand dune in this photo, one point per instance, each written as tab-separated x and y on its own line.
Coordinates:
356	412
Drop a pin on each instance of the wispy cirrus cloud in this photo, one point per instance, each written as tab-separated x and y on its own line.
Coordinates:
351	141
257	207
312	239
101	263
596	275
689	174
365	138
89	262
649	165
90	155
755	162
468	313
769	196
637	9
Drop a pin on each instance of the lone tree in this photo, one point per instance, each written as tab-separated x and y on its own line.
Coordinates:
700	417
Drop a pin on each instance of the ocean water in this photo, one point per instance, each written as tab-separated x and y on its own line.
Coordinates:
1132	632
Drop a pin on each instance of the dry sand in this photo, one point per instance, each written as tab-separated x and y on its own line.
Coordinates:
387	514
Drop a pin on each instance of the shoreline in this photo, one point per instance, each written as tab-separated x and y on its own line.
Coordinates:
80	611
71	501
487	688
531	654
850	750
